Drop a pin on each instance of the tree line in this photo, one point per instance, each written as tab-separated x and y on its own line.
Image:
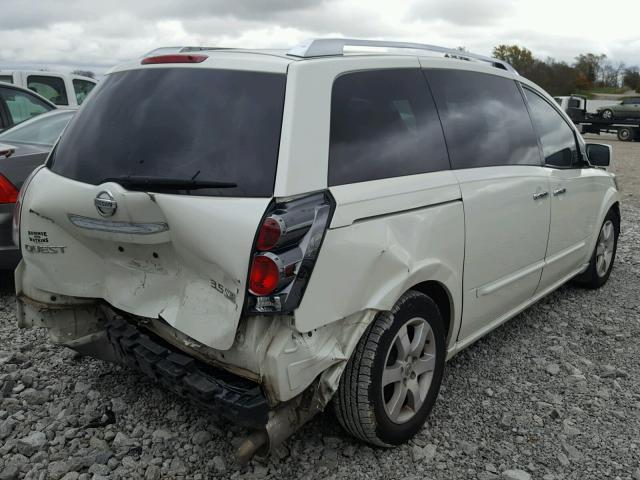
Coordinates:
589	71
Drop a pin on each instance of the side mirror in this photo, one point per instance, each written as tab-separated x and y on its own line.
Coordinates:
599	155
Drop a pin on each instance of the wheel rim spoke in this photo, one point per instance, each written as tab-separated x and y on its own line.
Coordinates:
425	364
414	399
420	335
392	374
402	343
394	406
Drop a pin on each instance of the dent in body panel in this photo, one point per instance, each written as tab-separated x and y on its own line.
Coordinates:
370	264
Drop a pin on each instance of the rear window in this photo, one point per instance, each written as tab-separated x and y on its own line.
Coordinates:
179	123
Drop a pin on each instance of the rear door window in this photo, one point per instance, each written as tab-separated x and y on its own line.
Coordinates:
383	124
556	136
51	88
21	105
199	124
484	118
82	89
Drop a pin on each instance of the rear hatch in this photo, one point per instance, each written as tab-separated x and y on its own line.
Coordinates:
153	196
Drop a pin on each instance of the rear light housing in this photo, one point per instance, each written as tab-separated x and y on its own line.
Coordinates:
174	58
285	251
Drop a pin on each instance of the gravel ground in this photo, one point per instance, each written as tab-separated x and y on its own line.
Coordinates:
553	394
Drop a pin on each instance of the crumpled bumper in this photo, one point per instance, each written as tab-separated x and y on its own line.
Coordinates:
93	330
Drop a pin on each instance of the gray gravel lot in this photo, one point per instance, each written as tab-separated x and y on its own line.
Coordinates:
553	394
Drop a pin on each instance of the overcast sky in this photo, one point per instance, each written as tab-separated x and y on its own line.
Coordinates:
66	34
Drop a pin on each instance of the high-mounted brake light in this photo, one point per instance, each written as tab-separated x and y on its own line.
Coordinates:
285	252
174	59
8	192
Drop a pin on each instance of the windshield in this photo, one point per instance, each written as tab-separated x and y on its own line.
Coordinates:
200	124
42	130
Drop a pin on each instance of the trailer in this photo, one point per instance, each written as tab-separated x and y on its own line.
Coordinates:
576	106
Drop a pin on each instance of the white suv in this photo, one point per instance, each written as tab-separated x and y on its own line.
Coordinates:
264	231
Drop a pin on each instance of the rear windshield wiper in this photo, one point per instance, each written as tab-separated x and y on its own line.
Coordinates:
137	181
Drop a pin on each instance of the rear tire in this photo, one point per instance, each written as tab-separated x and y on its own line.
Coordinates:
604	254
393	377
625	134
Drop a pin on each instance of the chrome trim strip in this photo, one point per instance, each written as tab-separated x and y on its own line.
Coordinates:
99	225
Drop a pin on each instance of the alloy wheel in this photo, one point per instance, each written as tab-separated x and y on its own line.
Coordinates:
408	370
604	248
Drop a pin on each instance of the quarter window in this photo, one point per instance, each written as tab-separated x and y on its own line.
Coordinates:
556	136
82	88
22	105
51	88
383	124
484	118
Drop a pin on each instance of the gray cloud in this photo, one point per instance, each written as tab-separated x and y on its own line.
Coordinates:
463	12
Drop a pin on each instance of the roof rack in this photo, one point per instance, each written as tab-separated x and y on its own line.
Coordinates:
324	47
169	50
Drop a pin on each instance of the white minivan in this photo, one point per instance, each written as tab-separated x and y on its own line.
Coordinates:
266	232
66	90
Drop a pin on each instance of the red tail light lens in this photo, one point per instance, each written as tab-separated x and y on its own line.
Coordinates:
8	193
174	59
268	235
264	276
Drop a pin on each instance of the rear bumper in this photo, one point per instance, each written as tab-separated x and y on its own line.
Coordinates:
90	328
236	398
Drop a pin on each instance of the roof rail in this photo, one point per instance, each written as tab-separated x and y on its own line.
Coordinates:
323	47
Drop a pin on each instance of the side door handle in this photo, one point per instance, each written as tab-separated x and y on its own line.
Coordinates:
540	195
559	191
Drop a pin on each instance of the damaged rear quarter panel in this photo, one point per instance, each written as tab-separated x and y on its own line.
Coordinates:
383	243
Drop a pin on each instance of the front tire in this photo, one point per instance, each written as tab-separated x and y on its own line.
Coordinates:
604	254
607	114
392	379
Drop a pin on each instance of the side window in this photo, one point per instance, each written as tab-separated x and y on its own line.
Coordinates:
383	124
574	103
6	78
21	105
51	88
484	118
82	88
556	136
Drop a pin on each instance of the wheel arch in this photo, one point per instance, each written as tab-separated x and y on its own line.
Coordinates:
442	297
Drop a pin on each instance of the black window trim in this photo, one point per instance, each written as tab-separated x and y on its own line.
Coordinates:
580	163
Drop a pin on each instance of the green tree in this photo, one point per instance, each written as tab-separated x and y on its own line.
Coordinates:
631	78
591	66
519	57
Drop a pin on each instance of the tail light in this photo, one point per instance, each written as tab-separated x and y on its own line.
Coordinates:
286	248
8	192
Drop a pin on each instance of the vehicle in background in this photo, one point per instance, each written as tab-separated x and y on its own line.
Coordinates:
604	120
629	108
22	149
19	104
66	90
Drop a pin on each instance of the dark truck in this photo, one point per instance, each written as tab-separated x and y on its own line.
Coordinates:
625	123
